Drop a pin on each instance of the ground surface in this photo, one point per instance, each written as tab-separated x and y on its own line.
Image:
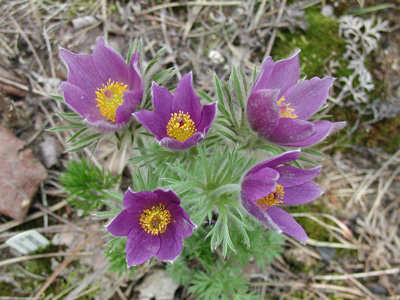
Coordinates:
354	247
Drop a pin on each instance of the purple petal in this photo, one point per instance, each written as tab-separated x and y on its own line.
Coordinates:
186	100
137	202
135	81
141	247
182	225
289	131
264	75
260	215
259	184
322	129
287	224
291	176
263	112
207	117
162	101
81	101
82	71
276	161
301	194
131	100
109	63
83	104
170	246
307	97
152	122
177	145
280	75
286	73
167	197
123	223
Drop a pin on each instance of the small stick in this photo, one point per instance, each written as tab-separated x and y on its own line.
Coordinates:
24	87
63	265
104	13
273	35
19	29
33	216
45	255
210	3
48	46
296	284
358	275
48	212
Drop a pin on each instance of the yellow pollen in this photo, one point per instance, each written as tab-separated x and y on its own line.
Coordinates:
284	110
180	126
109	98
155	220
275	198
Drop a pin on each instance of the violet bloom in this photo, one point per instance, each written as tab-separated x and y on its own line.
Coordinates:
178	121
154	223
269	185
101	87
279	105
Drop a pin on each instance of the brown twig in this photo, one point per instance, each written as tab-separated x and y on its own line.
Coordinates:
45	255
27	40
358	275
31	217
273	35
63	265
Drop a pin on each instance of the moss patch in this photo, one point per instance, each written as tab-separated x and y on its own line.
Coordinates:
318	43
313	229
385	134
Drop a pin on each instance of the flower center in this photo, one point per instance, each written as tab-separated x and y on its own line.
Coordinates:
109	98
275	198
284	110
155	220
180	126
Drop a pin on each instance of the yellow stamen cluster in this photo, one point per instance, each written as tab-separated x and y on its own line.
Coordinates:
180	126
275	198
284	110
155	220
109	98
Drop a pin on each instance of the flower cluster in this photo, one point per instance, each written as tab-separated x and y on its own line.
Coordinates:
108	94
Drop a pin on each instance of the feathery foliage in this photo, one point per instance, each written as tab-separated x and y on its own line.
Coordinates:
85	184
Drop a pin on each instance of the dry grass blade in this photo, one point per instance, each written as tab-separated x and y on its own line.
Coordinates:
296	284
23	87
371	178
45	255
200	3
12	224
372	216
358	275
64	264
19	29
273	35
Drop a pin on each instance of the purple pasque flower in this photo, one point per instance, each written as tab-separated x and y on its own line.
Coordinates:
101	87
178	121
270	184
154	224
279	105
